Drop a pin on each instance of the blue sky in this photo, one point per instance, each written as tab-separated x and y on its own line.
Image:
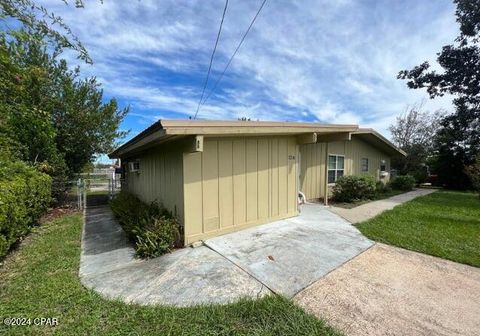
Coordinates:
325	61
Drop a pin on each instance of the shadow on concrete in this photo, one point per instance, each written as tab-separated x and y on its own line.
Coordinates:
97	199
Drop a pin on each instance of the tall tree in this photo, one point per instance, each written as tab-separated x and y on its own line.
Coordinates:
49	114
412	132
458	140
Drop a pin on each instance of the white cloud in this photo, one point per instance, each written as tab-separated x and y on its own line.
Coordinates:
333	61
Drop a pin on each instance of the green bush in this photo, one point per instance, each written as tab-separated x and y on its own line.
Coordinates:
24	197
382	188
151	227
354	188
403	182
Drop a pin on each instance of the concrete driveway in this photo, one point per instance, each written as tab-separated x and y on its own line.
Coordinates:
283	257
391	291
288	255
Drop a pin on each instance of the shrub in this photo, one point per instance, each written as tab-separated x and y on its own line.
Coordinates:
151	227
156	238
24	197
473	171
382	188
354	188
403	182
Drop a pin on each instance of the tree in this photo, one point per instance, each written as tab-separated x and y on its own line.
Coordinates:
49	115
473	171
38	21
458	140
412	132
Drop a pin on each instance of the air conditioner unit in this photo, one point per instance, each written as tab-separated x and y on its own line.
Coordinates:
134	166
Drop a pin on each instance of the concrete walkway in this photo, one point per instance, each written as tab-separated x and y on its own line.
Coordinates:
369	210
283	257
186	277
290	254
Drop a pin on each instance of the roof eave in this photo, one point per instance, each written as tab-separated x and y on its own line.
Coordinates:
223	128
380	137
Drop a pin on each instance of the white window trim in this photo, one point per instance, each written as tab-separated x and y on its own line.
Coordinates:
336	168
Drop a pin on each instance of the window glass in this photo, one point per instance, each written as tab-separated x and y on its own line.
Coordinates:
383	166
364	165
340	160
332	161
331	176
336	165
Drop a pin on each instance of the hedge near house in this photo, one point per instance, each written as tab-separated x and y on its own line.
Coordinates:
354	188
24	197
152	228
403	182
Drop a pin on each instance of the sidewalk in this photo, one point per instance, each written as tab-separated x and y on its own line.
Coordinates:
366	211
185	277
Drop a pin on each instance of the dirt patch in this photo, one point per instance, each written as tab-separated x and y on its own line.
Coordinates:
55	213
392	291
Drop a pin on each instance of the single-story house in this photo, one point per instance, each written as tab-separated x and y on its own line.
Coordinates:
223	176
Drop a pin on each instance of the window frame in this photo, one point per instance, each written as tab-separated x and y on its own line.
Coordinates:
363	166
336	169
383	162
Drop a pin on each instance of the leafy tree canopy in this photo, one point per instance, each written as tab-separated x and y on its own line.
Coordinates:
458	140
50	115
412	132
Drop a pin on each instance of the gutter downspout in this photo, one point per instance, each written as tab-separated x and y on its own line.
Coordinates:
325	197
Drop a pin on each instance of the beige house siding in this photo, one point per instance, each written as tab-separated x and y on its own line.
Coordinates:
312	170
239	182
357	149
160	179
313	158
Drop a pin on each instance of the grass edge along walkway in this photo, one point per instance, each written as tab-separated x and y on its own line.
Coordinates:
444	224
40	279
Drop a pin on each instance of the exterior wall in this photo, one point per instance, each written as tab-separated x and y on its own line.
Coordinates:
160	179
239	182
357	149
313	158
312	170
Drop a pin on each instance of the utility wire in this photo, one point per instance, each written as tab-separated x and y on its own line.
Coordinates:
235	52
211	58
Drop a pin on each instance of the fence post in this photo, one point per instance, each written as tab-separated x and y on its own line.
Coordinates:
79	193
84	194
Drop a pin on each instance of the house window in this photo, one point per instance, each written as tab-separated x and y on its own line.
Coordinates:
336	166
383	166
364	164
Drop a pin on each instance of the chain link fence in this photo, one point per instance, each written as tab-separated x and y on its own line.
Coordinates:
91	189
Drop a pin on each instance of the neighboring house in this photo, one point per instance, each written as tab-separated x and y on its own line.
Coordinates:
223	176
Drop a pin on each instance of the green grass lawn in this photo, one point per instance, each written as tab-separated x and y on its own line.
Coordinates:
41	280
444	224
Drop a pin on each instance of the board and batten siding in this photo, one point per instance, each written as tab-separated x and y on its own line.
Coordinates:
160	179
313	158
237	182
357	149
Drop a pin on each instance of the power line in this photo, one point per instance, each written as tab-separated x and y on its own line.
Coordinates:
211	58
234	53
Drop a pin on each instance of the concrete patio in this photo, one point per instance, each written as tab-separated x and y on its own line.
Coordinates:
185	277
281	257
